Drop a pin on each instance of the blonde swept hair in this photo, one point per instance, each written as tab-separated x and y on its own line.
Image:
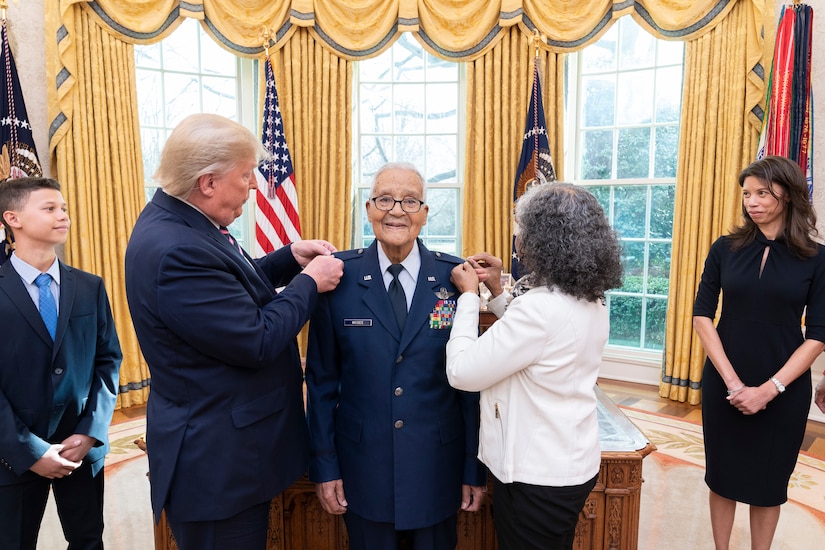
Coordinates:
204	144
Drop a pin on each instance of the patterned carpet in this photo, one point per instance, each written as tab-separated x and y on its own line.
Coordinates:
674	512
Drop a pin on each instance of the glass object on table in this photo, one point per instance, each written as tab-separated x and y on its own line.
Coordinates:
507	282
485	295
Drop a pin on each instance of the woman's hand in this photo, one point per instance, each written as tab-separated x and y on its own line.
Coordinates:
465	278
488	267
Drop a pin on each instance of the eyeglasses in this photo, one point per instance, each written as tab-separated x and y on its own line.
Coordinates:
387	203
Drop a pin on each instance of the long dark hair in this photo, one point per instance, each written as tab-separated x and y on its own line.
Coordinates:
800	217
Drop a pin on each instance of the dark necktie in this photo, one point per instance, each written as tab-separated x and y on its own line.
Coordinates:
48	308
397	297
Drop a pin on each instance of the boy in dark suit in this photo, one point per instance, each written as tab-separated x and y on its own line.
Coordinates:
59	362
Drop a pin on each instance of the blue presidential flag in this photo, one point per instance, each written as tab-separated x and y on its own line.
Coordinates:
18	156
536	163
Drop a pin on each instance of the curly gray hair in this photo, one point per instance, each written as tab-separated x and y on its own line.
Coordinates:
565	241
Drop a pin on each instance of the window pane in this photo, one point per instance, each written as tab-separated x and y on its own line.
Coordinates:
178	53
601	55
667	152
376	151
408	59
408	108
361	210
635	97
220	96
658	277
638	46
599	105
151	110
597	154
376	108
152	141
216	60
441	218
602	194
442	108
633	153
668	94
671	52
633	260
182	97
379	69
441	159
441	70
625	321
148	56
655	319
410	149
661	211
629	207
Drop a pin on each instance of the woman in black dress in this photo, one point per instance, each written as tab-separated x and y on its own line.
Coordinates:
756	388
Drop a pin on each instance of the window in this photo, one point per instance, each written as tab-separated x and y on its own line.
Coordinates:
188	73
409	108
626	96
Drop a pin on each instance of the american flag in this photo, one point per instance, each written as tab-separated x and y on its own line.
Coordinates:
18	156
536	163
276	220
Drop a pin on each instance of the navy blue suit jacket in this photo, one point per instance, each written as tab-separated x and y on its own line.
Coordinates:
382	416
50	390
225	417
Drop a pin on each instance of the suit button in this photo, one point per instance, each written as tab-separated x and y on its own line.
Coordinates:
399	359
58	371
399	391
399	424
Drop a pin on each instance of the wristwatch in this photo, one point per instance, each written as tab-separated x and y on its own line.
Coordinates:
779	385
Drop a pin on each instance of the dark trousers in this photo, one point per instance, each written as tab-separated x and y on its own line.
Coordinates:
371	535
79	500
533	516
245	530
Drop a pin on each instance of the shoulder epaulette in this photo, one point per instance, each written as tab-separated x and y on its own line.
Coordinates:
345	255
449	258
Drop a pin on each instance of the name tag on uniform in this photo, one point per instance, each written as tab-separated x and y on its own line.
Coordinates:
357	322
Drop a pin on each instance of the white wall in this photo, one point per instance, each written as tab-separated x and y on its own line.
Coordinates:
26	26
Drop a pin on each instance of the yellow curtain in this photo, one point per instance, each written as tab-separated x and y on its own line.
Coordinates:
317	122
720	127
98	163
498	91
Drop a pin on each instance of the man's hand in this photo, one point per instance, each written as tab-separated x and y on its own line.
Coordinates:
76	447
51	465
490	266
326	271
819	395
465	278
472	497
331	496
305	251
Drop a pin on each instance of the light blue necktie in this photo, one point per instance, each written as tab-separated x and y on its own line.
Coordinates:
48	309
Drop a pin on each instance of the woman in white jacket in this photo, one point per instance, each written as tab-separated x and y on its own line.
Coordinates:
537	365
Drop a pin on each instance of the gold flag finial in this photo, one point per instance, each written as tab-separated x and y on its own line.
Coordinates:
537	39
266	36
